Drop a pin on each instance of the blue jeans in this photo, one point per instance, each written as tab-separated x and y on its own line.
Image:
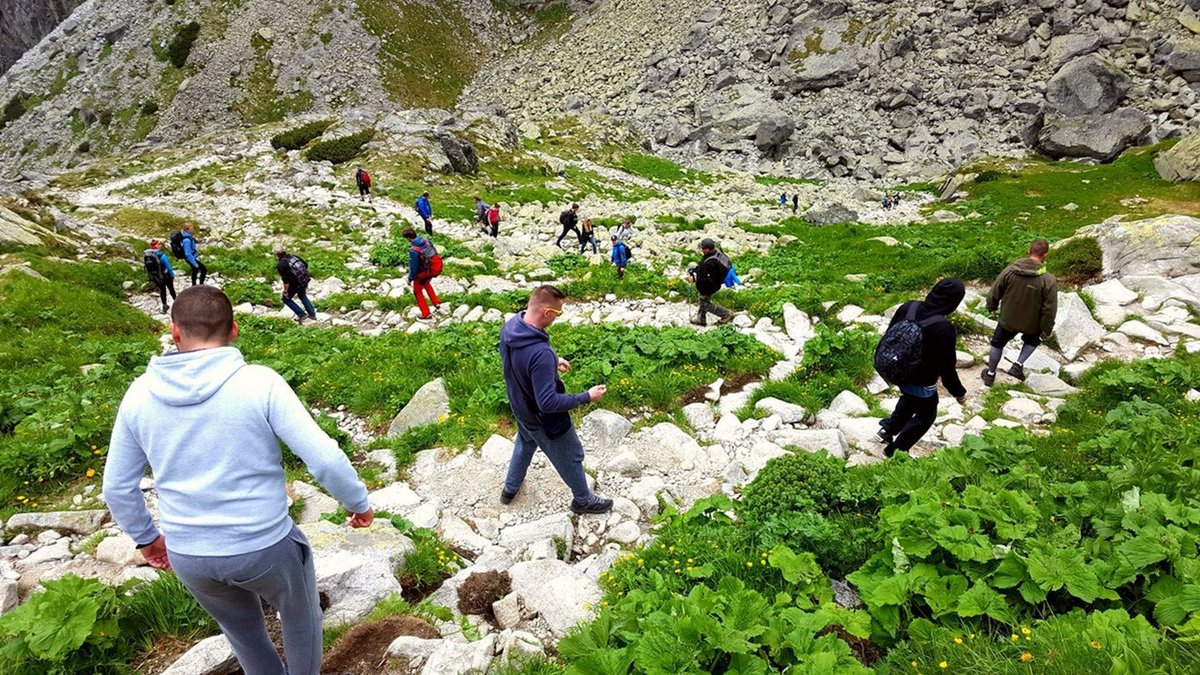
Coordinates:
287	300
564	452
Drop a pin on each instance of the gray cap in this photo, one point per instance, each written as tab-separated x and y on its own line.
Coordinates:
707	243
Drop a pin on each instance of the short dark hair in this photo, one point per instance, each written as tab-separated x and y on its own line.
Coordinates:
1039	247
203	313
545	295
575	206
409	233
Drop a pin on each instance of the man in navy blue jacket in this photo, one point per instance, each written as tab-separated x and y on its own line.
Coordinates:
540	403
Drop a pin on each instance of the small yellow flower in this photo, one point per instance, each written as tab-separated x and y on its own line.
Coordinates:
970	636
1025	630
1014	637
91	473
943	665
957	640
749	564
1026	657
914	664
1097	645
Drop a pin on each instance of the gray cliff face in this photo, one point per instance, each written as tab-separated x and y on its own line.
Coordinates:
23	23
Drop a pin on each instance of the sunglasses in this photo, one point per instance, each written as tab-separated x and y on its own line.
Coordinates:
557	312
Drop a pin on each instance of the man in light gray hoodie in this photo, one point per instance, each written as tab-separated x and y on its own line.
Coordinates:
209	425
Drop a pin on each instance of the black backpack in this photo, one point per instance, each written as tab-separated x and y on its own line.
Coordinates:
299	270
898	354
154	269
177	245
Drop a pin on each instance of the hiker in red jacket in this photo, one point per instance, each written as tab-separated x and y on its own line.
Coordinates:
493	219
424	264
363	180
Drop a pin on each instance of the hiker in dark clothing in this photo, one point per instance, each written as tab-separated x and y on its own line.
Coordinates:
620	256
587	235
540	403
709	277
568	219
795	203
1027	296
160	272
481	210
191	256
425	210
783	199
917	408
363	180
293	270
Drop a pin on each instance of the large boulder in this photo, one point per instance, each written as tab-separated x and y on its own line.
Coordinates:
1088	85
17	230
821	54
562	595
812	440
771	136
63	522
829	213
429	405
1102	137
1185	60
356	568
605	428
210	656
1074	326
1164	246
1181	161
460	153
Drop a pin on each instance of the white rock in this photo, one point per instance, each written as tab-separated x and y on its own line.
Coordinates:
811	440
1074	326
208	656
460	658
315	502
557	526
119	550
954	433
561	595
1111	292
860	433
699	416
507	611
849	313
497	450
1192	395
69	522
850	404
788	413
626	532
425	515
729	429
1140	331
456	531
394	498
605	429
356	567
1022	409
1044	383
798	325
714	390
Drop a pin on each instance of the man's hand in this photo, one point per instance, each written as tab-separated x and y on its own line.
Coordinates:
597	392
359	520
563	365
156	554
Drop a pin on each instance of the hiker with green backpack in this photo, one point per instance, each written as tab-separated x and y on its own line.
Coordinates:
159	271
294	271
424	264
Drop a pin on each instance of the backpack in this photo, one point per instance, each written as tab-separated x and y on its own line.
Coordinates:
493	216
564	216
299	270
430	261
898	354
154	268
177	245
365	178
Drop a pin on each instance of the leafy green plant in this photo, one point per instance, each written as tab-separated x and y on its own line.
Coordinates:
431	562
52	627
297	138
339	150
1077	261
180	47
12	111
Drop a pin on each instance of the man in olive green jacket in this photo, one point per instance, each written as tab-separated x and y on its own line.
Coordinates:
1027	296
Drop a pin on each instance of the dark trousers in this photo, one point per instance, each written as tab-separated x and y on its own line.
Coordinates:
302	292
584	240
200	269
428	225
909	421
165	285
495	229
1003	336
558	242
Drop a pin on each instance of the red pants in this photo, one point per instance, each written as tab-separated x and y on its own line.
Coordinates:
421	283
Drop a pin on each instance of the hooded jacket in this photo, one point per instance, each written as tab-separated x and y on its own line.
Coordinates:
711	272
535	392
416	247
424	208
937	338
189	249
209	426
1027	296
620	254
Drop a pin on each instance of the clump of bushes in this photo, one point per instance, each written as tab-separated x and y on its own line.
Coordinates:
340	150
1077	261
12	110
181	44
150	108
988	176
294	139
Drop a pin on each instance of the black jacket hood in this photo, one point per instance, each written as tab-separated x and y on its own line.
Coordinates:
945	297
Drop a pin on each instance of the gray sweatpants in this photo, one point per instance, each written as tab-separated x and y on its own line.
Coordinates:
230	588
707	305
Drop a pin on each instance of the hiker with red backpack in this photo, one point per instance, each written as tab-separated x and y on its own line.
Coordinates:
294	271
424	264
493	219
159	271
917	350
363	180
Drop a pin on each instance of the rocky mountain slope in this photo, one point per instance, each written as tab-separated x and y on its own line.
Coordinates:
866	88
23	23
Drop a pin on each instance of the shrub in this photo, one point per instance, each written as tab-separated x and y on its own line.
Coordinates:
340	150
105	117
294	139
84	147
150	108
988	176
12	110
181	44
392	253
1077	260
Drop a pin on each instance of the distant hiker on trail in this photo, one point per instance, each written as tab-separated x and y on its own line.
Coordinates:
795	203
568	219
783	199
210	427
425	210
187	245
493	219
887	202
424	264
159	272
540	403
1027	296
896	199
620	256
363	180
481	209
708	276
587	235
293	270
916	350
625	231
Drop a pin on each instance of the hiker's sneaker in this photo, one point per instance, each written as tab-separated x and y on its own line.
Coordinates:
1017	371
725	319
506	497
300	319
988	377
698	322
425	317
882	436
593	505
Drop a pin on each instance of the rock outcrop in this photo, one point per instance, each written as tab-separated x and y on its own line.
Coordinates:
23	23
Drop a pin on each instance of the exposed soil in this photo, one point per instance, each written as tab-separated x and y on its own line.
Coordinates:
480	590
165	651
413	592
866	653
732	384
363	649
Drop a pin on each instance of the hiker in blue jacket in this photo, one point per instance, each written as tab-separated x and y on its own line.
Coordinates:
161	274
620	256
191	256
425	210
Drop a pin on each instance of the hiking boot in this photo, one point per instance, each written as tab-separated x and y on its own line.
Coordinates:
725	319
883	436
593	505
988	377
300	319
698	322
1017	371
164	309
506	497
425	317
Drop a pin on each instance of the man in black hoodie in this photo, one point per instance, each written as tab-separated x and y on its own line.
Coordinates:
917	408
709	276
569	220
540	403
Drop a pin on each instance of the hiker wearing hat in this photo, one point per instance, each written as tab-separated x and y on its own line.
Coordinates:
620	256
709	276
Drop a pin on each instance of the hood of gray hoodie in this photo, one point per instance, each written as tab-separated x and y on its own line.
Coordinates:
188	378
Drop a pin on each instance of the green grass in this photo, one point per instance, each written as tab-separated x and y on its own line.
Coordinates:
662	170
146	223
